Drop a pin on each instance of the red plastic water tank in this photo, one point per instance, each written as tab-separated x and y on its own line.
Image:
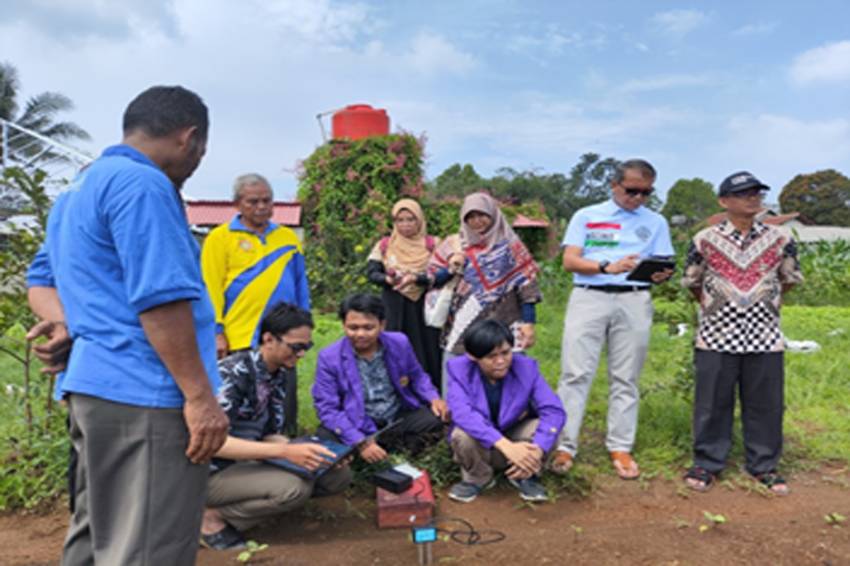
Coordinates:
359	121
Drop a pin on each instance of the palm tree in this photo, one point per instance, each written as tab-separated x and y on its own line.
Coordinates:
39	115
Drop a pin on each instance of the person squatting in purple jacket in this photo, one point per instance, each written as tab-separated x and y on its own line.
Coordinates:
504	414
371	378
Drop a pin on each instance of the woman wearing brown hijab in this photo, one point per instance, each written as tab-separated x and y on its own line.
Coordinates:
399	263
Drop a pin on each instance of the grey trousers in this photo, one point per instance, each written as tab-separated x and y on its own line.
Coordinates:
624	321
139	500
479	464
248	492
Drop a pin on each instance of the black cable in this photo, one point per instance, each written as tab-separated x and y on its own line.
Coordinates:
469	536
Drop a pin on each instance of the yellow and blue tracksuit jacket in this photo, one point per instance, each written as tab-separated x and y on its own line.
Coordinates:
246	273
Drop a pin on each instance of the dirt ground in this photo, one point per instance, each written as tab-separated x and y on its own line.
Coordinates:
652	522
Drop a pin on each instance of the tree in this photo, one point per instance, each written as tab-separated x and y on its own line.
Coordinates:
456	181
823	196
690	201
347	189
39	115
588	183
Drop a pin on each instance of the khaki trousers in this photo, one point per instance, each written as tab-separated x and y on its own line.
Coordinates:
478	464
624	322
247	492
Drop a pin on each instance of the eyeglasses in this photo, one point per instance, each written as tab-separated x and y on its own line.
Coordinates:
639	192
296	347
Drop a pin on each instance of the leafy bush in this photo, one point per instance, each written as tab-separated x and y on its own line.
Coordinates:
826	267
347	189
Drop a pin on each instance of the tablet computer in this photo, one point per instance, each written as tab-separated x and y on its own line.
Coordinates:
647	267
340	450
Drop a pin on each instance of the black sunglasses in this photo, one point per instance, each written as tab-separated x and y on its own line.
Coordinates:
638	192
296	346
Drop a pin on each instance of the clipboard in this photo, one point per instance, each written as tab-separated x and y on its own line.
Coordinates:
647	267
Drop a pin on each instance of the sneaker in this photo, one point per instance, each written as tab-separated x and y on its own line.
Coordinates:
227	538
530	489
465	492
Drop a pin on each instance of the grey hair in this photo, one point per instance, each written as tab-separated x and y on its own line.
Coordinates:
248	179
646	170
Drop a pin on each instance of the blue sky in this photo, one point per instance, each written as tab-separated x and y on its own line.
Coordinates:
699	89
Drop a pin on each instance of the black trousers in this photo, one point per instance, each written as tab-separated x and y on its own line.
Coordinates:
418	428
760	380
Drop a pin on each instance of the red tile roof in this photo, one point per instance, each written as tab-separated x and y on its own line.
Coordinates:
522	221
215	212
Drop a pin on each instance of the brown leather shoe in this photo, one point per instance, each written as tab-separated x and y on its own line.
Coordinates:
625	465
562	462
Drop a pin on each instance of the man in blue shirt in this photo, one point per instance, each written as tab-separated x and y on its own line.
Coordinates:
603	243
119	273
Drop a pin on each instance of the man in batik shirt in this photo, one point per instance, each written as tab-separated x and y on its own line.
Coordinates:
738	271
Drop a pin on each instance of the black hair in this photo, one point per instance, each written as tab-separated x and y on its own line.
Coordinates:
484	336
363	303
161	110
642	166
283	317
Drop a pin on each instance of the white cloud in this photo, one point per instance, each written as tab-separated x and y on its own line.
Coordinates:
318	20
777	147
553	41
431	54
758	28
664	82
679	23
827	63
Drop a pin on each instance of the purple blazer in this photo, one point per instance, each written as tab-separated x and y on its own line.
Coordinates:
525	394
338	389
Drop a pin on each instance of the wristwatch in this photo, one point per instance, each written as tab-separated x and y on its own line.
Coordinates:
603	265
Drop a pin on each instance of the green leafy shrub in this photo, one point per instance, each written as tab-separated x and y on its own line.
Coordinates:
347	189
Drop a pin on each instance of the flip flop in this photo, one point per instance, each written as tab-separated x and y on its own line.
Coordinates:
774	482
625	465
699	479
562	462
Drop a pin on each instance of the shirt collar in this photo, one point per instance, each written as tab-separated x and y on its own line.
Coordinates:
124	150
379	353
262	369
236	225
613	208
728	229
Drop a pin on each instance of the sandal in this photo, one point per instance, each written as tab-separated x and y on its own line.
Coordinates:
562	462
773	482
625	465
699	479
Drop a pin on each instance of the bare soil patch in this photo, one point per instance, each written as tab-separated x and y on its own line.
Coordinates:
652	522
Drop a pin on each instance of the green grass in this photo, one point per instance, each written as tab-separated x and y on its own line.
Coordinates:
817	416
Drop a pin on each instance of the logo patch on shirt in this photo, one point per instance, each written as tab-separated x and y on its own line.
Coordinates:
245	245
602	235
404	381
643	233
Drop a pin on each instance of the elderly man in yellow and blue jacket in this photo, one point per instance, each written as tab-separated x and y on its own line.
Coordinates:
249	264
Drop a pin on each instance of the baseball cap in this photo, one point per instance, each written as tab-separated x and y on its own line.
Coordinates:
740	181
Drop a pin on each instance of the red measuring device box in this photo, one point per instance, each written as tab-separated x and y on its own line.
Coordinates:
411	508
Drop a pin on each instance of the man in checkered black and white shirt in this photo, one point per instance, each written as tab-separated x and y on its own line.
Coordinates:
738	271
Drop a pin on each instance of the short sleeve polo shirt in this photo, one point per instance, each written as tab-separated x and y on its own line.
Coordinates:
607	232
118	244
